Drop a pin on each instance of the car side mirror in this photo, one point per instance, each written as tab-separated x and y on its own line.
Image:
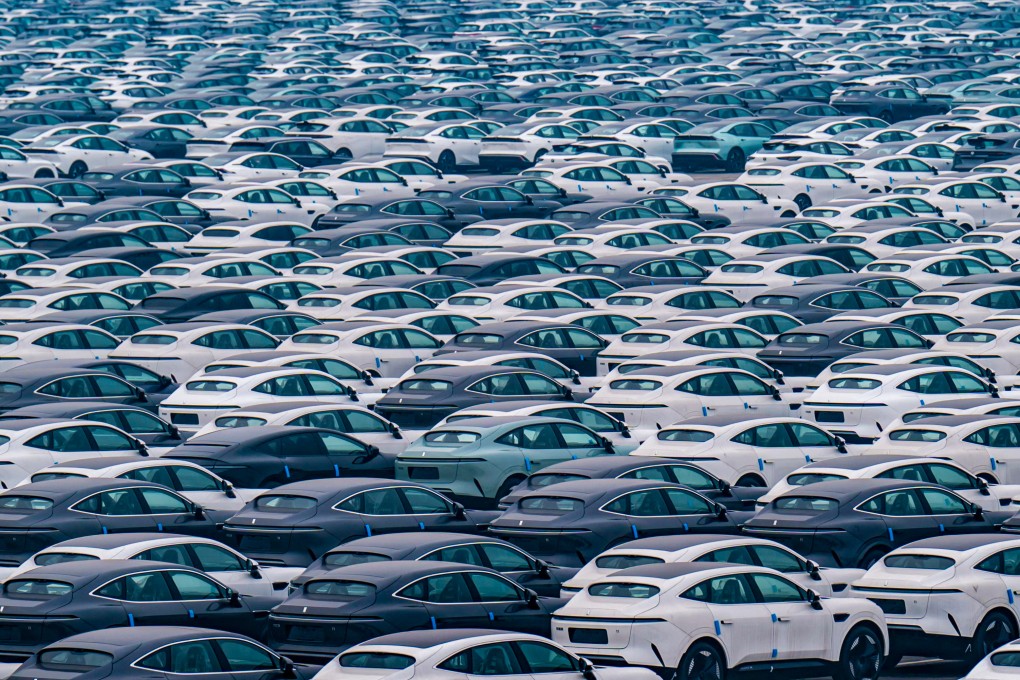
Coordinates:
563	193
938	211
776	395
459	512
725	488
528	200
764	200
199	512
228	489
395	431
532	597
233	598
351	393
993	391
141	448
989	374
366	377
982	485
814	599
140	394
174	432
253	569
624	431
297	203
853	180
287	668
840	444
542	568
627	180
720	511
450	213
812	569
575	377
607	446
979	512
587	669
165	381
403	182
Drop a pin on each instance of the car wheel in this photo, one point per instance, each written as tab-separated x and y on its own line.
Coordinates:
861	656
994	631
447	162
892	661
803	201
508	486
751	480
539	154
871	557
43	174
701	662
886	116
77	169
735	160
344	153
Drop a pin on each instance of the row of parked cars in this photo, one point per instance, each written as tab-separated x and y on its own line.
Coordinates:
364	340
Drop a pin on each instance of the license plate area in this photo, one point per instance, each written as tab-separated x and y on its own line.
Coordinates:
588	636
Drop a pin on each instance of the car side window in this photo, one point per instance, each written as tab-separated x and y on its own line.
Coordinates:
190	658
161	502
737	554
544	658
491	588
215	558
485	660
651	503
687	503
422	502
732	589
778	559
191	586
443	589
776	589
147	587
944	503
245	657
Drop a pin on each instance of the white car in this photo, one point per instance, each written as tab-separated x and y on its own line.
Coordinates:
808	183
862	401
902	462
351	137
16	164
739	202
27	342
188	479
929	270
612	239
71	271
749	276
885	240
448	655
710	616
987	205
745	241
252	202
829	582
29	445
245	234
182	349
948	596
880	175
659	303
361	181
1001	664
447	145
385	350
490	235
523	144
203	271
659	397
994	343
197	402
599	180
846	213
218	139
679	335
74	155
223	563
352	268
970	303
501	303
338	304
745	450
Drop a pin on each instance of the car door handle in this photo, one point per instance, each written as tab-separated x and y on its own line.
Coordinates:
782	619
726	623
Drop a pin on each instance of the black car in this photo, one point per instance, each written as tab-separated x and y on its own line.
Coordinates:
80	596
489	200
156	387
852	257
491	553
265	457
35	516
342	240
349	212
575	347
138	422
423	400
572	522
891	102
138	181
294	524
181	305
894	288
145	652
162	141
349	605
115	322
432	286
854	522
648	468
37	383
304	151
632	270
491	268
814	302
143	257
981	149
68	243
806	351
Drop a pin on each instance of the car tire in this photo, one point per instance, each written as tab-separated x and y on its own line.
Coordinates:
539	154
735	160
447	162
871	557
995	630
892	661
43	174
507	486
803	202
703	661
860	657
77	169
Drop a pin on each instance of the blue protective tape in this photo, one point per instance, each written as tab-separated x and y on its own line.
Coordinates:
286	471
633	528
368	529
131	619
433	620
891	535
718	628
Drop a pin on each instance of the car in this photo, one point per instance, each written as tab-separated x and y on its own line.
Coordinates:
855	522
436	654
400	595
782	624
547	522
273	528
184	348
115	593
479	460
178	306
135	653
158	435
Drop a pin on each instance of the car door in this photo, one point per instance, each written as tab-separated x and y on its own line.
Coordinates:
175	514
547	662
745	624
648	513
905	516
191	659
449	600
799	631
248	661
953	514
146	598
431	511
208	604
506	605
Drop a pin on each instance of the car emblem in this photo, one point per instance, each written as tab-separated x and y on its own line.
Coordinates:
520	522
253	520
305	610
774	522
587	612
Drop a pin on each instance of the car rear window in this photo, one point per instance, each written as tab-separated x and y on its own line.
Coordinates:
626	561
802	339
24	504
636	385
339	591
633	591
854	384
645	338
970	337
480	339
210	386
1007	659
283	503
685	436
549	505
48	559
805	478
424	386
805	504
380	660
36	589
540	481
347	559
73	659
917	436
929	562
451	437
